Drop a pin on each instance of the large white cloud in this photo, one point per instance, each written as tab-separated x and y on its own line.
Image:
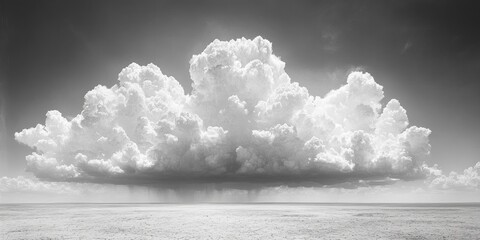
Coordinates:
245	120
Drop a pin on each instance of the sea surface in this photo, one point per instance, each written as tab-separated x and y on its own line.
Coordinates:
240	221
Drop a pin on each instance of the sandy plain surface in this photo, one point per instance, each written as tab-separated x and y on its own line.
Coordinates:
239	221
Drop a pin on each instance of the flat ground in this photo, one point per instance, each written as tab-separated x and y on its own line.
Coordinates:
239	221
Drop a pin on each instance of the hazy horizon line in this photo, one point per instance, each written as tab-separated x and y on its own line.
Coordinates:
419	204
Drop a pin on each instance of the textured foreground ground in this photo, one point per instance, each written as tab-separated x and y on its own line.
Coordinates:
238	221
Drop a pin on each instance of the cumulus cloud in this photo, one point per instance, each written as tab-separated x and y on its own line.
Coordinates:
244	121
23	184
468	180
32	190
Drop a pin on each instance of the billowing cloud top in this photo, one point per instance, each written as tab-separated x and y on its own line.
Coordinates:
245	120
